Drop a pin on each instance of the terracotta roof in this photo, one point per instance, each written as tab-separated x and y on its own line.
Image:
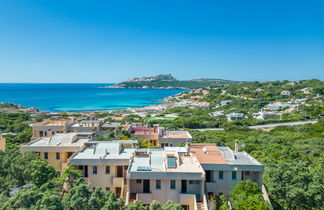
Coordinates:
211	156
146	132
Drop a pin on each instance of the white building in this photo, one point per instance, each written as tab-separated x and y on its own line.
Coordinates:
166	175
216	113
235	116
226	102
285	93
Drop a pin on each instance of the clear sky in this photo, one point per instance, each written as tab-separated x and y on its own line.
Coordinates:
110	41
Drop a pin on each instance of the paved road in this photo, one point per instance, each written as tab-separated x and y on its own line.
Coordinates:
264	126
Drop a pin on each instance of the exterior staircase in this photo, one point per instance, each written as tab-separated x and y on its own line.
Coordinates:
200	206
124	191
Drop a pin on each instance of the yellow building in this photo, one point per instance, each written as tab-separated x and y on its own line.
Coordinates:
56	149
50	128
104	165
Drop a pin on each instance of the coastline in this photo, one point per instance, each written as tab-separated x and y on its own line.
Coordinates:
153	88
82	97
34	109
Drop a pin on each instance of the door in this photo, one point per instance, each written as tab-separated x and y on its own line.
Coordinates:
118	192
208	176
146	186
85	171
119	171
183	186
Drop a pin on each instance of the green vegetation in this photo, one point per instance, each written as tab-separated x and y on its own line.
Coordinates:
305	102
15	123
117	134
293	157
246	195
168	81
27	182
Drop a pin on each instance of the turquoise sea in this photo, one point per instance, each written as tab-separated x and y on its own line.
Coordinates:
74	97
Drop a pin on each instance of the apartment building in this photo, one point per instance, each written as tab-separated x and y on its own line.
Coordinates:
156	174
86	126
56	149
173	138
104	164
224	168
145	132
159	136
50	128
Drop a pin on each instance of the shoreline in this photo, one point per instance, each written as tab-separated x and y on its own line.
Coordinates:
35	109
153	88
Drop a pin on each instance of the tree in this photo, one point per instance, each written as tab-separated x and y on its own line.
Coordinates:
72	175
217	203
137	205
77	198
246	195
112	203
295	185
50	201
41	172
24	199
155	205
171	205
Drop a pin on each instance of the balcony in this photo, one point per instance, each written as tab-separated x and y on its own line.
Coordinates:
118	181
187	199
211	186
146	198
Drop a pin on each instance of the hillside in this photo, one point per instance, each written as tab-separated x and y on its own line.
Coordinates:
247	104
167	81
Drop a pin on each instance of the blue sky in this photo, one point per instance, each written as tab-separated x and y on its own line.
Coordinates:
110	41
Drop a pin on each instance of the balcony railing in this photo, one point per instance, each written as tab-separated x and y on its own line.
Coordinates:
187	199
146	198
118	181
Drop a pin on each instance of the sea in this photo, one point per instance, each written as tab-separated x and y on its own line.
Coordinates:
78	97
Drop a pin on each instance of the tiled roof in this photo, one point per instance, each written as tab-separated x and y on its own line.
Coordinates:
210	155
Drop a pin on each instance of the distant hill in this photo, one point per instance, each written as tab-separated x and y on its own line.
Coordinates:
167	81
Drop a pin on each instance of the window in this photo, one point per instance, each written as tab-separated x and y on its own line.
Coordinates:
58	156
107	169
53	133
193	181
234	175
220	175
172	162
46	155
107	188
158	184
94	169
172	184
45	133
138	181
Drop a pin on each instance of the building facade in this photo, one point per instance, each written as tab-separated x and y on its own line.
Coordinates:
56	149
50	128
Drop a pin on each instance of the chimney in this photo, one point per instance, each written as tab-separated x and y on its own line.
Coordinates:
188	146
205	150
237	146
